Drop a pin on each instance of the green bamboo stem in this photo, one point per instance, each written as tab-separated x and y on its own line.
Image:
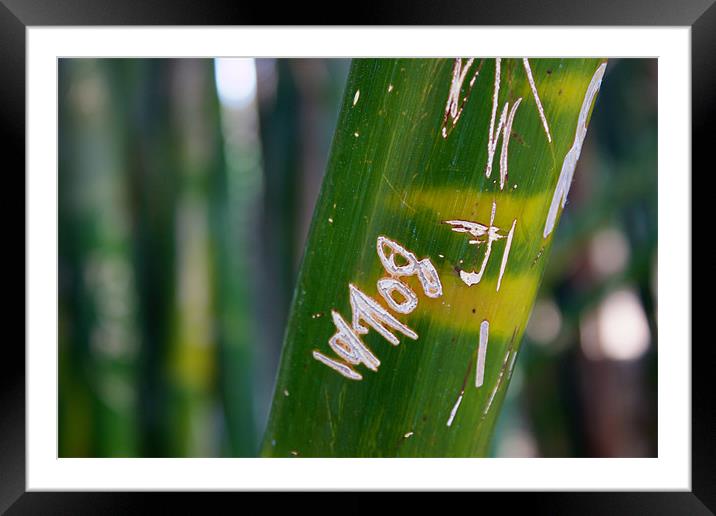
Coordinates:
409	162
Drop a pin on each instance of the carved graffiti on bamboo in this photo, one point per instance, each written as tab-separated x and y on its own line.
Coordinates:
454	106
499	128
366	312
486	234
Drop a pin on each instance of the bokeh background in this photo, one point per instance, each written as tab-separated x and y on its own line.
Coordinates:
186	188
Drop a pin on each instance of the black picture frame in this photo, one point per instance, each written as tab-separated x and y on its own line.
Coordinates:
17	15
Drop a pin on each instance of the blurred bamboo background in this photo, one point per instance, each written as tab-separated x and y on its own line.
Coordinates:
186	188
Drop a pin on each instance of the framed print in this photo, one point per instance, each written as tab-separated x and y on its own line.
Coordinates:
258	261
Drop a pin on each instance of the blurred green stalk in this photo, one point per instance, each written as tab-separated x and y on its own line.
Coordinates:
99	334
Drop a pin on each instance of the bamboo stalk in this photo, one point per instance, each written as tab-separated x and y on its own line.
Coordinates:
427	247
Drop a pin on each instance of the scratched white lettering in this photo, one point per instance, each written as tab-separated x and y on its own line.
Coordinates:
337	366
386	287
348	345
346	342
368	310
428	276
483	234
395	250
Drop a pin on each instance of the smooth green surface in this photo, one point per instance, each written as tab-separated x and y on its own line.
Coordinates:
392	173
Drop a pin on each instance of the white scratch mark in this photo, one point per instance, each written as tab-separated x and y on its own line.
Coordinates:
482	353
330	220
506	136
409	434
429	279
348	346
526	62
454	409
338	366
368	310
477	230
504	128
458	77
570	160
356	134
506	254
285	393
453	107
428	276
491	136
497	385
512	365
294	453
346	342
388	260
386	287
390	88
356	97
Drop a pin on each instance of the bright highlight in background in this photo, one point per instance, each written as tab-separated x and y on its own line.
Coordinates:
617	330
235	81
545	322
623	326
609	252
